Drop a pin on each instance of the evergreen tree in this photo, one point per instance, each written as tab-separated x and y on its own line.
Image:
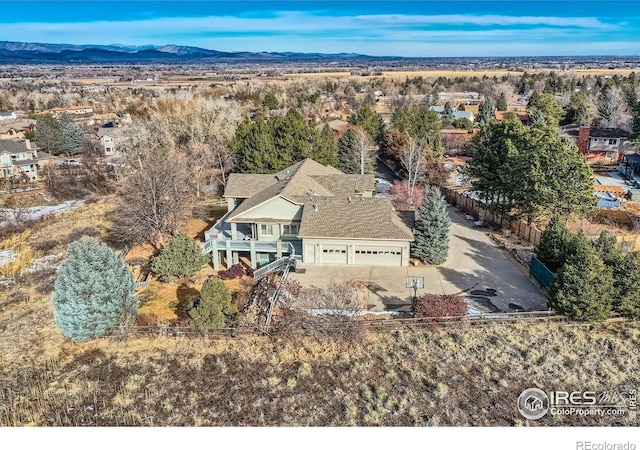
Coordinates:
486	111
72	137
635	123
607	247
270	101
421	123
214	308
182	257
627	286
254	150
583	289
431	230
555	244
93	291
501	103
371	121
48	134
356	152
447	115
326	147
548	106
577	111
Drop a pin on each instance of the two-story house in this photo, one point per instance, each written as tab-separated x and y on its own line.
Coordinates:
20	160
316	212
598	144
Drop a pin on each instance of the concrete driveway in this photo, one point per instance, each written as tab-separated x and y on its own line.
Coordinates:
475	269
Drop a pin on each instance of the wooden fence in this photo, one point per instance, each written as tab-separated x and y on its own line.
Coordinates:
474	207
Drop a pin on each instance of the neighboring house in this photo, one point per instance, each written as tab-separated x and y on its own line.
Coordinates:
102	138
629	166
456	114
8	115
15	130
20	160
314	211
454	139
76	110
598	144
522	116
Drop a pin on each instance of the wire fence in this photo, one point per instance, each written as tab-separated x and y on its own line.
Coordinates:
477	320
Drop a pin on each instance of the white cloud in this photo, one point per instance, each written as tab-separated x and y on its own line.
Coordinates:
402	35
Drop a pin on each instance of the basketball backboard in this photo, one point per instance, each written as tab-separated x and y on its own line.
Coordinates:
415	282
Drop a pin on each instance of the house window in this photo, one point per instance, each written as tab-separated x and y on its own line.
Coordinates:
266	230
290	229
612	142
22	156
6	160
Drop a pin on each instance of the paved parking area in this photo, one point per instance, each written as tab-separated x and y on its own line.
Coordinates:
474	265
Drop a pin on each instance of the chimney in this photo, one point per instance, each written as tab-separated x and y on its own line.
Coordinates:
583	139
27	144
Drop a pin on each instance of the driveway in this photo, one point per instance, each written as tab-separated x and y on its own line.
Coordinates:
475	269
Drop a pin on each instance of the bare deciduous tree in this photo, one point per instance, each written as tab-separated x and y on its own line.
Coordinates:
153	199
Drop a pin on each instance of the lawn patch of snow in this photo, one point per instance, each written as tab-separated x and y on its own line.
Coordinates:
6	256
36	212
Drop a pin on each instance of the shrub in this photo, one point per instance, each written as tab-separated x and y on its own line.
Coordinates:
434	305
215	308
93	291
181	257
235	271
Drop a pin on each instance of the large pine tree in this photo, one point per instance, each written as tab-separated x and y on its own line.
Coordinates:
555	244
431	230
583	289
93	291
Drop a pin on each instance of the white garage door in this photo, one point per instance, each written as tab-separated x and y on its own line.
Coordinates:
378	256
334	254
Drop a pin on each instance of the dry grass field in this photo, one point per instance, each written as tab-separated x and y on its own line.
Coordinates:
433	377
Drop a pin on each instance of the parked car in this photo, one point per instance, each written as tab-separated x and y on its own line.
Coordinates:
71	162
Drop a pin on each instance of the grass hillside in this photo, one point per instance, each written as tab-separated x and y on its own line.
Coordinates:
434	377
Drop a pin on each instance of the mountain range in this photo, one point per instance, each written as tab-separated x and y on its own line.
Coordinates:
29	52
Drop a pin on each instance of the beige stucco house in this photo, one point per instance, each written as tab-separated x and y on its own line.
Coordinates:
317	212
20	160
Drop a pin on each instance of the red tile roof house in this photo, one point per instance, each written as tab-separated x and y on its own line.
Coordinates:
599	145
314	211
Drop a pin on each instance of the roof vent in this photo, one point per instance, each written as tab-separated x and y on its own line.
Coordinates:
287	174
313	191
349	199
326	199
315	208
361	199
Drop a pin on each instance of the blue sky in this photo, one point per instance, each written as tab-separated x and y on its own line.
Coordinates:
411	28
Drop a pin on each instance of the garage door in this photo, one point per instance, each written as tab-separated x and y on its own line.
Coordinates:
378	256
335	254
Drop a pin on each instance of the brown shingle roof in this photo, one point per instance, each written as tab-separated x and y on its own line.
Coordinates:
294	183
12	146
346	184
245	185
364	218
